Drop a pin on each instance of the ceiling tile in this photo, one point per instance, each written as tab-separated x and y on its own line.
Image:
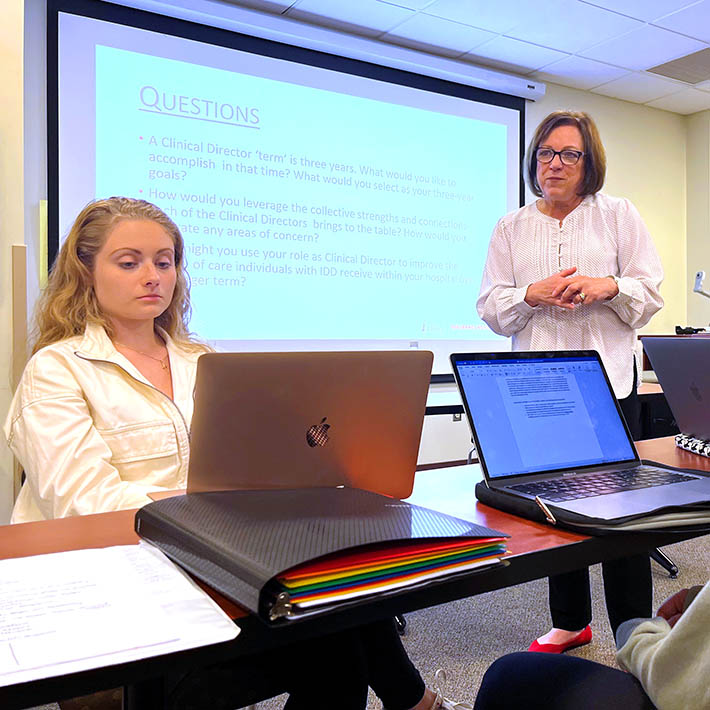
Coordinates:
498	16
569	26
692	68
639	87
645	47
365	17
685	101
586	44
513	55
579	73
646	10
434	34
694	21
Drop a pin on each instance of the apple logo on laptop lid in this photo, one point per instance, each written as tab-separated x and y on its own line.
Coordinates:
317	435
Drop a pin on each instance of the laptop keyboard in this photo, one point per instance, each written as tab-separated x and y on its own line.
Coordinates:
599	484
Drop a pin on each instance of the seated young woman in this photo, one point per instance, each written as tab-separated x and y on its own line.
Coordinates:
101	418
666	659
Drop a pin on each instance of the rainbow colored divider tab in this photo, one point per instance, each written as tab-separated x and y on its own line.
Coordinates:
387	567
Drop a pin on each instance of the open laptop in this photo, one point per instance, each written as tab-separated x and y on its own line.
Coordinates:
547	425
296	419
682	367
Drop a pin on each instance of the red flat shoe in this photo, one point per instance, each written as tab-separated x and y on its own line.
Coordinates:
581	639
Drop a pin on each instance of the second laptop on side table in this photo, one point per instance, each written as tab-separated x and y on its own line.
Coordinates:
682	367
549	429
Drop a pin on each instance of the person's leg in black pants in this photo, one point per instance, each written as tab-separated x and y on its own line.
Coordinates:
540	681
628	589
570	600
327	672
631	409
369	655
319	674
390	672
628	592
627	582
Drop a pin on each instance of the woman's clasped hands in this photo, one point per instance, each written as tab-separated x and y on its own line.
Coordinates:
566	289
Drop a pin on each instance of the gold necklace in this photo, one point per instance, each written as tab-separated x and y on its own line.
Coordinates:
164	363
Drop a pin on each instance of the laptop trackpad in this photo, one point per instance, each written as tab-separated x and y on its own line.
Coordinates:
646	500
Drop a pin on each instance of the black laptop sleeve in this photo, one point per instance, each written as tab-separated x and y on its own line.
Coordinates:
527	508
239	541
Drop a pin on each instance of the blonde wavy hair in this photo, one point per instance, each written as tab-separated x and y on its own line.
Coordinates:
69	303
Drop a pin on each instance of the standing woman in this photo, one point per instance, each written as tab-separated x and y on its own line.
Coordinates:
101	419
577	269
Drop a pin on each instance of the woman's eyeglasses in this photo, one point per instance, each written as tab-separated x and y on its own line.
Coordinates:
568	157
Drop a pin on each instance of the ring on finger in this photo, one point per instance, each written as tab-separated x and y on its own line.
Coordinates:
582	296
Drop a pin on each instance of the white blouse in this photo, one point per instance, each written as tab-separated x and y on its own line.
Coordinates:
602	236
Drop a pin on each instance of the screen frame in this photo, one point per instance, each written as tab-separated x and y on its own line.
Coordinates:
145	20
535	355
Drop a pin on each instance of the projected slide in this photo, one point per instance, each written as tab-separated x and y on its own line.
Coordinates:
315	206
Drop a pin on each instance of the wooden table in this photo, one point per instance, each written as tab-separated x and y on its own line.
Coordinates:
536	550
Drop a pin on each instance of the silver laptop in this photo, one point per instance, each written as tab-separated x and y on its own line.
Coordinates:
290	420
547	425
682	366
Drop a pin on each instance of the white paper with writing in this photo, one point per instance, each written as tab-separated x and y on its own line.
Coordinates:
71	611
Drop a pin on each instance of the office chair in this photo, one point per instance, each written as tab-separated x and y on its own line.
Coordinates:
664	561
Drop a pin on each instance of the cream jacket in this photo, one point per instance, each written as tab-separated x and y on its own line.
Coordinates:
673	664
92	434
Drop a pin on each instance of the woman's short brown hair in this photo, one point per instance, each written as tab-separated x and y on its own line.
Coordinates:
594	155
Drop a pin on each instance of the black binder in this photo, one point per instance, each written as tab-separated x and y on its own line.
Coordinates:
239	541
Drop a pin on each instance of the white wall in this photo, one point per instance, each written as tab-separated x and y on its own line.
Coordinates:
11	205
35	137
698	215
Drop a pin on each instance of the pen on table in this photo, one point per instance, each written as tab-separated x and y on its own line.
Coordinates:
548	515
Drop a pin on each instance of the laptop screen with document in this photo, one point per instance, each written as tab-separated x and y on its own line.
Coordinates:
541	411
